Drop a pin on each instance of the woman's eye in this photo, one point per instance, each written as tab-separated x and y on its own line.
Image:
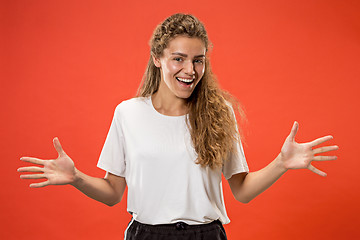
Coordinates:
198	61
178	59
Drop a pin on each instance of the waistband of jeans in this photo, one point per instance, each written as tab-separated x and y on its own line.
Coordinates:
180	226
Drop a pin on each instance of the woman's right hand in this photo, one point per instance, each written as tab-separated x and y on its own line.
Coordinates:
58	171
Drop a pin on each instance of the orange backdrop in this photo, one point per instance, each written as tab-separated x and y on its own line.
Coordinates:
65	65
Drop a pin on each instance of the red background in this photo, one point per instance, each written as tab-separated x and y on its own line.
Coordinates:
65	65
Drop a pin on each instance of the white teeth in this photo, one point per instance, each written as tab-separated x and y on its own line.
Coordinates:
185	80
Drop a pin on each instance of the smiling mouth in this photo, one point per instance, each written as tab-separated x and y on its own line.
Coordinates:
186	81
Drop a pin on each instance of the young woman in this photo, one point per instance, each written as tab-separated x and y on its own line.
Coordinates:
171	143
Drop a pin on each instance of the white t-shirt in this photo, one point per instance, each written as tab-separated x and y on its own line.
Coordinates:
154	153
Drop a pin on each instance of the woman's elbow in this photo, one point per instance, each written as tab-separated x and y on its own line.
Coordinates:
111	203
243	199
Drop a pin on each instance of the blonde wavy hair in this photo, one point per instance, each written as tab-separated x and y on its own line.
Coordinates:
211	120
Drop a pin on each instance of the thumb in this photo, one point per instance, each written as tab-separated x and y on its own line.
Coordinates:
293	132
58	147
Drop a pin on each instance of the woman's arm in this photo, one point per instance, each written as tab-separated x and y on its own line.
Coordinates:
246	187
62	171
108	190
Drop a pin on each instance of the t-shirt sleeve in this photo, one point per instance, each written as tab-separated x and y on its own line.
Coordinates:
236	162
112	157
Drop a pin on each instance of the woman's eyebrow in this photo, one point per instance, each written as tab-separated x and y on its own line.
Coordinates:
185	55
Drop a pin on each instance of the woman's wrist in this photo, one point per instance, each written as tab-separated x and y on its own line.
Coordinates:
76	177
280	163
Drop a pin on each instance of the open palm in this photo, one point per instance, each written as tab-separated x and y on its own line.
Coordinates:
300	155
58	171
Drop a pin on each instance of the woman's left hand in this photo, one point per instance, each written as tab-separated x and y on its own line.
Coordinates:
300	155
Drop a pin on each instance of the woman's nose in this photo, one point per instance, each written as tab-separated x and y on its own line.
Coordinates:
189	68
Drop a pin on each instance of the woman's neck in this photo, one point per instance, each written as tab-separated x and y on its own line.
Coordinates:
169	104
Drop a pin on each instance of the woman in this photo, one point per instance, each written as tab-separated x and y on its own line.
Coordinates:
171	144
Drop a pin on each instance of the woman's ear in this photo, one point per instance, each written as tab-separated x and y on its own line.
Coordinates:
156	61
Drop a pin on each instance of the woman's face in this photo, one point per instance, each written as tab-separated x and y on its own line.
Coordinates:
182	66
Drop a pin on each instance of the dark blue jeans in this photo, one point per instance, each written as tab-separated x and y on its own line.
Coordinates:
176	231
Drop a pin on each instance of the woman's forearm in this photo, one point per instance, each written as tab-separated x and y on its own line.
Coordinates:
101	189
257	182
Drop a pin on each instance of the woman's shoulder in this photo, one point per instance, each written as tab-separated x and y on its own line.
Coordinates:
132	104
